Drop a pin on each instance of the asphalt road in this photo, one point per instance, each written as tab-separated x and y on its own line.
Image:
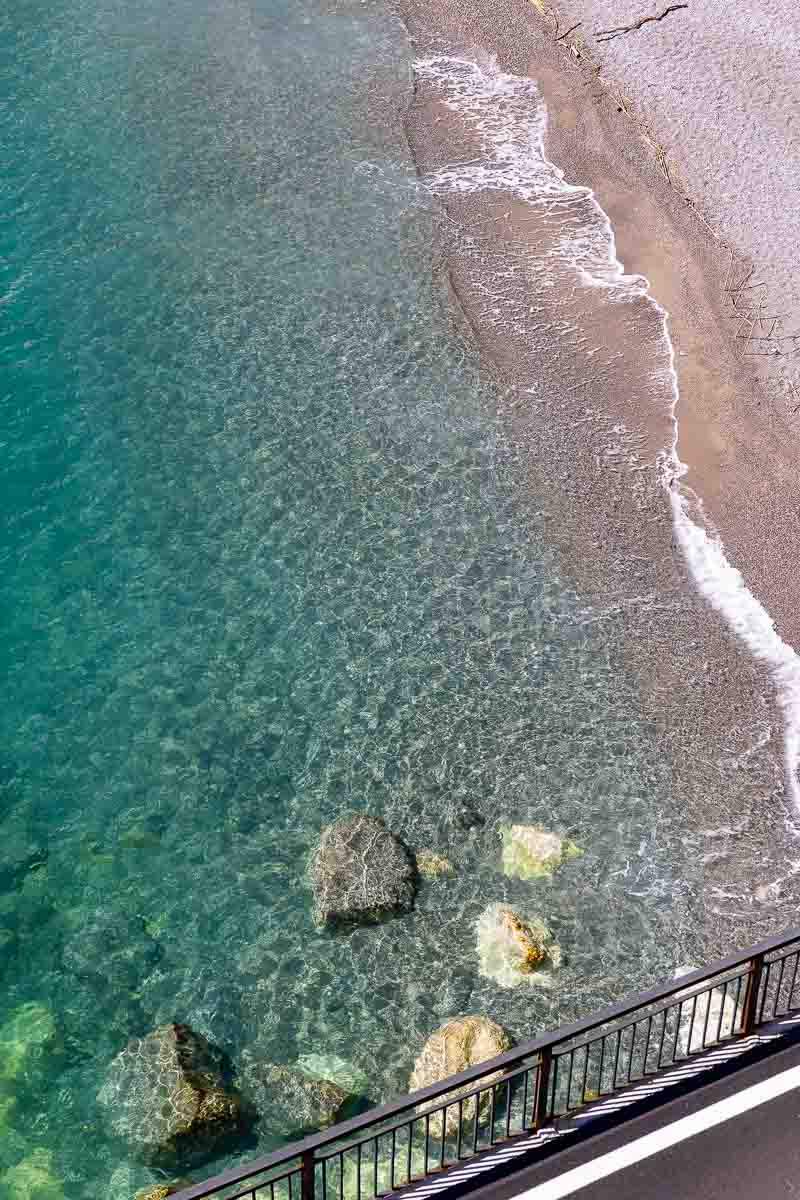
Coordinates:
754	1155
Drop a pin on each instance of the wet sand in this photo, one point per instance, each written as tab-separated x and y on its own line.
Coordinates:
711	703
738	430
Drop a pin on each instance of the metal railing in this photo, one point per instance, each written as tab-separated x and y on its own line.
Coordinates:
528	1087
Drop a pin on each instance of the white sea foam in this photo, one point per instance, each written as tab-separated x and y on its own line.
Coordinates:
508	114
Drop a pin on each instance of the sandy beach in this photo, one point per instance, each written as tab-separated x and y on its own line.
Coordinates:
716	98
700	201
644	160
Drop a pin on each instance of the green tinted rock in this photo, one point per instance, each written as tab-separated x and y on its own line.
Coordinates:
32	1179
24	1035
346	1075
531	852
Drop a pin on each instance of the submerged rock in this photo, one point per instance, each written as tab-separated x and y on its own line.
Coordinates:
32	1179
431	865
23	1036
126	1181
140	839
288	1100
360	873
530	852
18	858
460	1043
466	816
13	1146
166	1096
346	1075
513	949
160	1191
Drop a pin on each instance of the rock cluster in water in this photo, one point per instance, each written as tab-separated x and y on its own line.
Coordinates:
166	1096
360	873
458	1044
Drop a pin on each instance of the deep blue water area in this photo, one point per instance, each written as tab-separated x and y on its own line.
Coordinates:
266	559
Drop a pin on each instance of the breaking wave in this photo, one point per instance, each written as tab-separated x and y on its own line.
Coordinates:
508	113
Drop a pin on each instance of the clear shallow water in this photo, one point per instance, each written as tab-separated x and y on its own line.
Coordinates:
268	557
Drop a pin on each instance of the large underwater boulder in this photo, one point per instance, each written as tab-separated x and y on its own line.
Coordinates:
455	1046
360	873
288	1101
514	949
531	852
166	1096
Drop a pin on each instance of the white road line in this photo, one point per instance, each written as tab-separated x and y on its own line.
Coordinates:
653	1143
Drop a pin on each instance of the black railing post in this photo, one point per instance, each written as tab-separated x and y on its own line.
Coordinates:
307	1181
751	994
542	1090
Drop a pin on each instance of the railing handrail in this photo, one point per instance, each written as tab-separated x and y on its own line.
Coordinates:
529	1049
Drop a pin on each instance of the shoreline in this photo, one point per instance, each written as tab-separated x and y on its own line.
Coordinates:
703	477
737	448
655	234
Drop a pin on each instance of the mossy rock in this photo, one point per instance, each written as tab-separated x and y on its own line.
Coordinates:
13	1147
431	865
531	852
515	949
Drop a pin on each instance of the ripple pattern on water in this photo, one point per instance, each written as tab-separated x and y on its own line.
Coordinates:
267	562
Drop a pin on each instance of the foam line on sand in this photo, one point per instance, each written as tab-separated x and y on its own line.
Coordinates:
508	112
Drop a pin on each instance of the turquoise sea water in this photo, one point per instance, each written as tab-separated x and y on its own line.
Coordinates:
267	558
